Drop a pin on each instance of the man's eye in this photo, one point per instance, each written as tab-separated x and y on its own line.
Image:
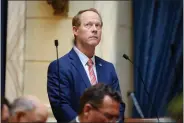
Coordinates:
89	24
97	25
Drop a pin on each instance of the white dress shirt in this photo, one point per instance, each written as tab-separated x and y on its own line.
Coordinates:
84	59
77	119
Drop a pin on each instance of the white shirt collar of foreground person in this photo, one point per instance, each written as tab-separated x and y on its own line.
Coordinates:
77	119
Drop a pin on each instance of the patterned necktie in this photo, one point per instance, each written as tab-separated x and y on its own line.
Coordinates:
91	72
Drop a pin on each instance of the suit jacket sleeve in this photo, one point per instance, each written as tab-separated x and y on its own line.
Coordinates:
115	86
59	93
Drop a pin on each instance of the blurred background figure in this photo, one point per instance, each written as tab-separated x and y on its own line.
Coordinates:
28	109
5	106
175	108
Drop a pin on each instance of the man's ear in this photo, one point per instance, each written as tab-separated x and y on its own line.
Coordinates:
87	109
75	30
20	114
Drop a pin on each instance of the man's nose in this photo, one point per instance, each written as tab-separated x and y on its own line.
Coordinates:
94	29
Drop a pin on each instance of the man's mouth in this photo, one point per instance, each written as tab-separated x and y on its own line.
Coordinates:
93	37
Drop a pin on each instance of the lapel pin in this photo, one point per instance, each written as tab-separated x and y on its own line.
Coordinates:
100	64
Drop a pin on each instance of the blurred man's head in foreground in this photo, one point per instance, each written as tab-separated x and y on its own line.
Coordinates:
28	109
100	103
175	108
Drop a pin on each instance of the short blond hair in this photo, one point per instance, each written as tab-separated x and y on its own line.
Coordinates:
76	19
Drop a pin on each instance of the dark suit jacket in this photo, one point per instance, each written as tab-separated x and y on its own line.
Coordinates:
64	93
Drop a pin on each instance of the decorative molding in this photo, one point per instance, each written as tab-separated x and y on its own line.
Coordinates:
15	49
40	61
50	18
61	7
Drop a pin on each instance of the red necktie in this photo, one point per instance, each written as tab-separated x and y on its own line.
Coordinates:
91	72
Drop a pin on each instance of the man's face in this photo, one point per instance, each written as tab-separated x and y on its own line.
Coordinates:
89	32
109	111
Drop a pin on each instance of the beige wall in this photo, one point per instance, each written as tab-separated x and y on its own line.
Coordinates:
42	28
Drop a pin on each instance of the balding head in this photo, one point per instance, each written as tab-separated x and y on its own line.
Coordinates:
28	109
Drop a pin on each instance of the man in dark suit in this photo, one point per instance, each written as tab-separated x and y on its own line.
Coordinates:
99	104
80	68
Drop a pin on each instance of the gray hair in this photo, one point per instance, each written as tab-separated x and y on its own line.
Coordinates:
22	104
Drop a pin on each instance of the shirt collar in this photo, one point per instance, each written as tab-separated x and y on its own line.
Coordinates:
77	119
84	59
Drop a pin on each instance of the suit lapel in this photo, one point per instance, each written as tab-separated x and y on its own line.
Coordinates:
78	65
99	69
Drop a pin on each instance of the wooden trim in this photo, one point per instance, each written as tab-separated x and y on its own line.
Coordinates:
148	120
